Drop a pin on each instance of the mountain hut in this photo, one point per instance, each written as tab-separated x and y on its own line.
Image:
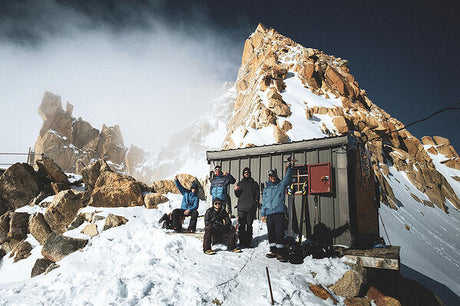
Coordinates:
340	197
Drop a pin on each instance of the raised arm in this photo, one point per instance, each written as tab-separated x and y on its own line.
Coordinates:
287	178
181	188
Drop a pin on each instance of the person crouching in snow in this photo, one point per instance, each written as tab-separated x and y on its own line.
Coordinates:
218	226
189	207
273	212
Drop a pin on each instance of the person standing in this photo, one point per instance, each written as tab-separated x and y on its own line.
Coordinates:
189	207
218	226
273	212
219	186
248	194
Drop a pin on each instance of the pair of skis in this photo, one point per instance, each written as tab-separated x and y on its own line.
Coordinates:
297	254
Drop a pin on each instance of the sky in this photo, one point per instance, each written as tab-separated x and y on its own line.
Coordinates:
153	67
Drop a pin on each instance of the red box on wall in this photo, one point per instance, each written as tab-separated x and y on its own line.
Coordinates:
319	178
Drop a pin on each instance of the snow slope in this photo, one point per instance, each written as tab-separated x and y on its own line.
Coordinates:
140	263
429	238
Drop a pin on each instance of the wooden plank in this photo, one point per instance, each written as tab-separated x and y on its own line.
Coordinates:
388	252
376	262
380	258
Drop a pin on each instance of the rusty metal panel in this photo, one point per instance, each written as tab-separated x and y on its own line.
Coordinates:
319	178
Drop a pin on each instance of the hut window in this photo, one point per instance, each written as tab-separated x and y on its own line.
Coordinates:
299	177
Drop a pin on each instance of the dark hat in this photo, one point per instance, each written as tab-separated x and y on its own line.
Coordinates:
247	170
216	200
194	186
217	167
272	172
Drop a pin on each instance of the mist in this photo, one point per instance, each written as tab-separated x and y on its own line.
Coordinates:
153	77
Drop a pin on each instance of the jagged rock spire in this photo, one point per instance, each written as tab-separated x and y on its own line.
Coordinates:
286	92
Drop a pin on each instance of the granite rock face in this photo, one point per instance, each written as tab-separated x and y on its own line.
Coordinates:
273	64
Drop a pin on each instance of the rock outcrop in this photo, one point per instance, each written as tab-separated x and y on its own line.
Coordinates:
21	251
116	190
57	246
40	266
114	221
152	200
39	228
74	143
273	64
186	180
19	185
63	210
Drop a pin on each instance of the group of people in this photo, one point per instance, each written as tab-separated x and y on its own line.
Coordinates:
218	225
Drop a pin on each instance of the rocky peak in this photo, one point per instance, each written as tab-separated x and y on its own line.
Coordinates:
75	143
286	92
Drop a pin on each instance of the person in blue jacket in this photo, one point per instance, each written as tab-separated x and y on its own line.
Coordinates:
189	207
219	186
273	212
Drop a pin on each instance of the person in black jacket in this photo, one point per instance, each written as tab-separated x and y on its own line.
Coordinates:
217	226
247	192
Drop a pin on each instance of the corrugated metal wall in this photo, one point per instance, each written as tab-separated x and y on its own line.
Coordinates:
332	210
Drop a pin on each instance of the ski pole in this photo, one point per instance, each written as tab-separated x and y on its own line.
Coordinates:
270	286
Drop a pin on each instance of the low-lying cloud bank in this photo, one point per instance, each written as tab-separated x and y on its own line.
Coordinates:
150	70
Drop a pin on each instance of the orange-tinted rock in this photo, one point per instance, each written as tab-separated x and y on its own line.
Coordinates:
279	135
115	190
441	140
340	124
322	293
286	126
427	140
432	150
380	299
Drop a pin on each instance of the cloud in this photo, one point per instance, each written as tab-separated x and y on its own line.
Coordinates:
129	65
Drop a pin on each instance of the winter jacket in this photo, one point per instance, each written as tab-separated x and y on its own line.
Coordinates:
273	195
190	200
248	195
217	219
219	186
